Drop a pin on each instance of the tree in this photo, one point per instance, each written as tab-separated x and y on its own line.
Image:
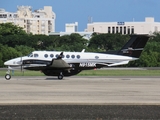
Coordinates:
11	29
1	62
8	53
150	56
24	50
106	42
73	42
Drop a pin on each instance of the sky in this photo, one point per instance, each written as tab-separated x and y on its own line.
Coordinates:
71	11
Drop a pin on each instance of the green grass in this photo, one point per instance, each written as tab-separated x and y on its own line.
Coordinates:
94	73
120	73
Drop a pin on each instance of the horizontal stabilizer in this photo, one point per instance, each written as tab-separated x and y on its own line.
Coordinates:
120	63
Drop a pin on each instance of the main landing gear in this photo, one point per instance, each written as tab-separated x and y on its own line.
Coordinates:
60	76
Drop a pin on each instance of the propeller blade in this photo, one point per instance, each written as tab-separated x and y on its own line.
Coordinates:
21	64
60	56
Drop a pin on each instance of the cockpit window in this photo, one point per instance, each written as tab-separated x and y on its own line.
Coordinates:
30	55
35	55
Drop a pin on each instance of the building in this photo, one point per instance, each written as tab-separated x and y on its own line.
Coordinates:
41	21
72	28
147	27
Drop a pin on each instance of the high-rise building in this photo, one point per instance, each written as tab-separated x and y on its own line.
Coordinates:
41	21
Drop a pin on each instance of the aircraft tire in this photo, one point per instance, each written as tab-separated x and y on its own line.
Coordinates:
8	76
60	77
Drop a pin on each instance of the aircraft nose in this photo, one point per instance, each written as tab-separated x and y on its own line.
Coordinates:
12	62
7	63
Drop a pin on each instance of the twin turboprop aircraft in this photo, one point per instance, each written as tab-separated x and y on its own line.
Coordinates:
54	63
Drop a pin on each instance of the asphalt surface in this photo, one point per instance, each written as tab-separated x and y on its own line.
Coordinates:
80	98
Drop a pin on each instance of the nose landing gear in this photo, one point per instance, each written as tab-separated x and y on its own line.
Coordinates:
8	76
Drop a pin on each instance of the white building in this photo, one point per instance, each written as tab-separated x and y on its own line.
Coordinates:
72	28
40	21
147	27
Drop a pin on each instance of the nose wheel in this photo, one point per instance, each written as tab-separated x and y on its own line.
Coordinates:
8	76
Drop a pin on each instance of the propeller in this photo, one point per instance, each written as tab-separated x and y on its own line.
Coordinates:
60	56
21	61
21	64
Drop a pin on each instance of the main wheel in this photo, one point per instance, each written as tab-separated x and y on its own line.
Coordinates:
60	77
8	76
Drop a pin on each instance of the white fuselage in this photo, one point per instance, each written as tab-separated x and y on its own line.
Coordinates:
84	58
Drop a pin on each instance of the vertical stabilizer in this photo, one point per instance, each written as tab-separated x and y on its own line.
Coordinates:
134	46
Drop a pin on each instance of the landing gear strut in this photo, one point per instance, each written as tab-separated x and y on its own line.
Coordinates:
60	76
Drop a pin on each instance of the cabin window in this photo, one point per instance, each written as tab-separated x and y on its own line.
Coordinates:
46	55
78	56
57	56
73	56
67	56
51	55
96	57
35	55
63	56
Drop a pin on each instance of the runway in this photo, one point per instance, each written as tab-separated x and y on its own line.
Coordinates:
77	97
81	90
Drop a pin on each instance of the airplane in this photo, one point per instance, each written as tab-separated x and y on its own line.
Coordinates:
57	63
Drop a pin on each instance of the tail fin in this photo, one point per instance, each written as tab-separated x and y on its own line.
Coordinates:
134	46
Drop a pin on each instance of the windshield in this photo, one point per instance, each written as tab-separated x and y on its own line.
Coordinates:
30	55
